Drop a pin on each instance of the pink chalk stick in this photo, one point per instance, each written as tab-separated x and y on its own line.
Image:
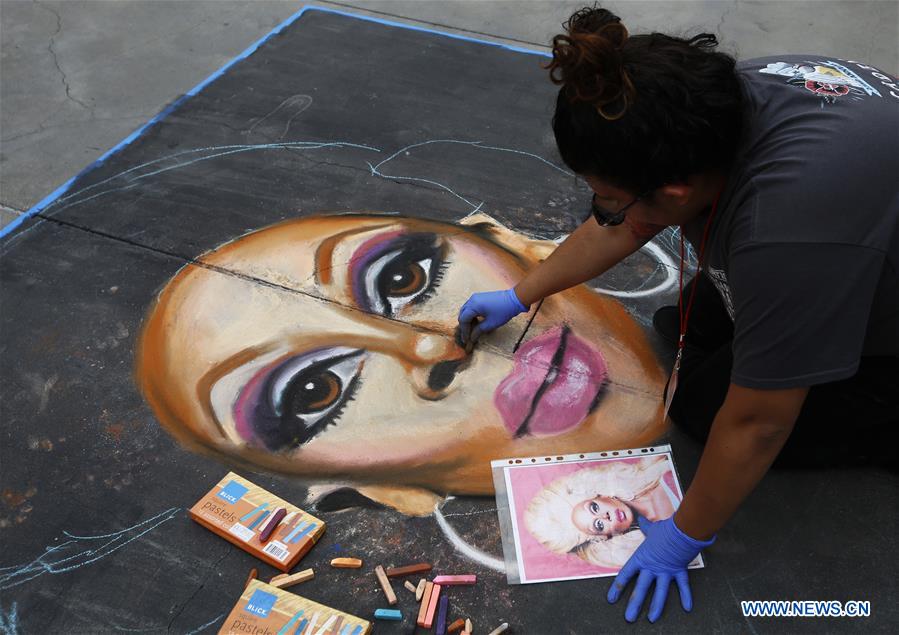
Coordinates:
432	606
455	580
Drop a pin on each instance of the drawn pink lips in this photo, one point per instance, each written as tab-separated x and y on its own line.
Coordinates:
620	515
534	400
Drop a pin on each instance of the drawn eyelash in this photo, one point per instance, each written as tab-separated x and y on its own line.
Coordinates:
331	419
436	279
299	397
399	262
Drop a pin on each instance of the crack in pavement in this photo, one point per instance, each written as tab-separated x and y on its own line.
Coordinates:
209	573
65	80
724	17
43	128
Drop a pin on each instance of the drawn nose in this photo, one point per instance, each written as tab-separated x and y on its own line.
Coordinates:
443	373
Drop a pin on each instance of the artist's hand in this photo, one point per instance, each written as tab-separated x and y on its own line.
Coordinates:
494	307
663	556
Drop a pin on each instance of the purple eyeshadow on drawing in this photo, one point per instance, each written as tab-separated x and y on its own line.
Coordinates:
265	411
248	402
363	257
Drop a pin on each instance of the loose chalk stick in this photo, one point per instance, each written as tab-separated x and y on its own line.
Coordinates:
389	614
251	577
423	608
346	563
273	522
432	606
500	629
385	585
441	614
283	581
420	589
409	586
468	625
465	633
450	580
455	626
396	572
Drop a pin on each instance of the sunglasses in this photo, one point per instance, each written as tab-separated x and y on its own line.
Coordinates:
608	218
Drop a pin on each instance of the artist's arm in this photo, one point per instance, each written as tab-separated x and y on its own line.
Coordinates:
748	432
588	252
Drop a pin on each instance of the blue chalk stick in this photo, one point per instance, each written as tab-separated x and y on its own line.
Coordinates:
250	513
303	533
389	614
286	628
262	517
295	531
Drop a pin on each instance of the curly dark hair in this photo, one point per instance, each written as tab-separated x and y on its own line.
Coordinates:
642	111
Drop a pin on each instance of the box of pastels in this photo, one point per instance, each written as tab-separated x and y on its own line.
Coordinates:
264	609
258	522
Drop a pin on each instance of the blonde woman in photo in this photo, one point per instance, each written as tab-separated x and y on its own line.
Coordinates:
592	513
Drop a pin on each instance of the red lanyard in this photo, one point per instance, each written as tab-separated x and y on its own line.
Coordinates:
685	316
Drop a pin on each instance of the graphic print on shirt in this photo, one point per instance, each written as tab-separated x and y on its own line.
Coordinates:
719	279
828	80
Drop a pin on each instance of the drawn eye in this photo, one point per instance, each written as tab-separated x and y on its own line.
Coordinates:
594	508
598	526
303	396
408	273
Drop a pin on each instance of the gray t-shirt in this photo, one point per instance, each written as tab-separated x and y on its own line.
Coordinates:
804	247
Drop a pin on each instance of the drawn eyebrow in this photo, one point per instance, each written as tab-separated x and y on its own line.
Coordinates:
324	255
211	376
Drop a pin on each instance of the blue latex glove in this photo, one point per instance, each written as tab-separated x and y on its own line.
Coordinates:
495	307
663	556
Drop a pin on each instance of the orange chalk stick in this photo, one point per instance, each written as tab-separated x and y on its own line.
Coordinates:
455	626
425	599
396	572
287	580
385	585
432	606
346	563
449	580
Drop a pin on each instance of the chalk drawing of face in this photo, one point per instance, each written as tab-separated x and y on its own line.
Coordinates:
343	365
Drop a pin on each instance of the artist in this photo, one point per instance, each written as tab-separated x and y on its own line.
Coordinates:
781	173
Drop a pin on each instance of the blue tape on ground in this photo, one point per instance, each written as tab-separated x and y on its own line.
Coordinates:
49	199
